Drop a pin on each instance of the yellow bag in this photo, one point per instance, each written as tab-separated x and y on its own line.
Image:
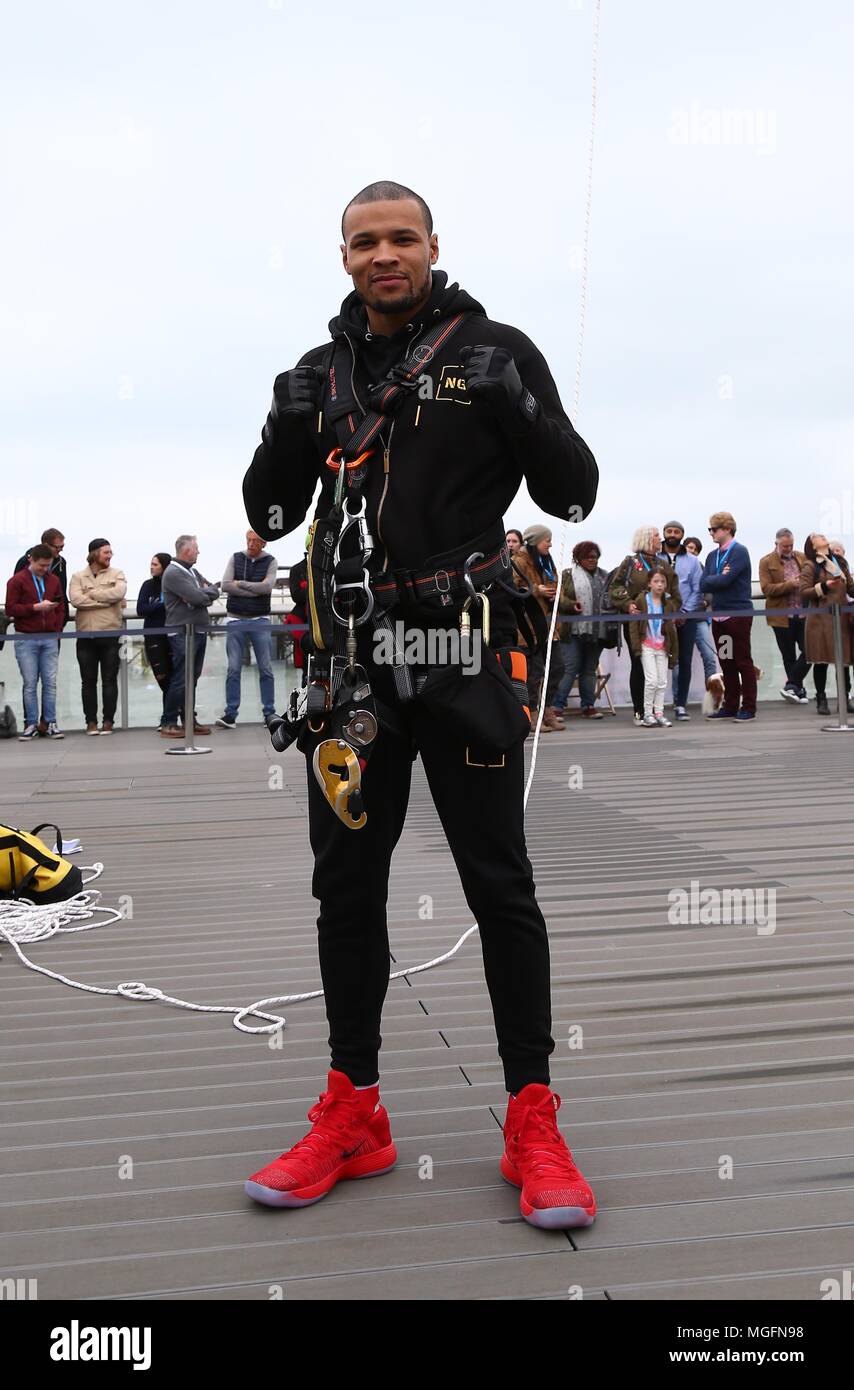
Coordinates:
28	869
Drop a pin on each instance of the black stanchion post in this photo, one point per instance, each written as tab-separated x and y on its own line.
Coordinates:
842	727
189	693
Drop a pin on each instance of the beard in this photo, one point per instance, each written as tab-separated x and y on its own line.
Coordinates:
403	302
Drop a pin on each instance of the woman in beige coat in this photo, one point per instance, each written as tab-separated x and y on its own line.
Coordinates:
825	580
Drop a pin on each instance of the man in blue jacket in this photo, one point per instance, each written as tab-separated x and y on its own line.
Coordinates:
727	577
689	572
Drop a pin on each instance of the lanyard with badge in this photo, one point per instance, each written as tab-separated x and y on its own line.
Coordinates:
721	557
39	583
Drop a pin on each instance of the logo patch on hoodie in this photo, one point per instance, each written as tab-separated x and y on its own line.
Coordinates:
452	385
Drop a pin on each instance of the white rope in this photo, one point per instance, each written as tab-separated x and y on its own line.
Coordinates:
24	921
582	316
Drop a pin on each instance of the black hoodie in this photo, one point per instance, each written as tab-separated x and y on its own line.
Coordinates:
446	470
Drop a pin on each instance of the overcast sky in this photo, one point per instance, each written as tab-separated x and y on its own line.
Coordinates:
173	177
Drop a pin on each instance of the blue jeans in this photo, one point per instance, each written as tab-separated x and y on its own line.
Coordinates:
38	657
702	639
580	659
173	705
260	635
686	636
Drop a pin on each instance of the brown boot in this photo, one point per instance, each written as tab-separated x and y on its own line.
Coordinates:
201	729
557	716
171	731
551	725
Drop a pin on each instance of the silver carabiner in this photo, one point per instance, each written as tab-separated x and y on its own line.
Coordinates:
357	519
467	579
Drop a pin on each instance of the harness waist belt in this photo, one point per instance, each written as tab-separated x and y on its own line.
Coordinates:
442	585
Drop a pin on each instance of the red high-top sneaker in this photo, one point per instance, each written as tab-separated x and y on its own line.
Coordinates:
554	1194
349	1138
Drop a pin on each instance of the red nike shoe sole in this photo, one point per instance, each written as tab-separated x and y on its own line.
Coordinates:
370	1166
546	1218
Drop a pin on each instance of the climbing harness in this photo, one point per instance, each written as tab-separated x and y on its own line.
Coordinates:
345	594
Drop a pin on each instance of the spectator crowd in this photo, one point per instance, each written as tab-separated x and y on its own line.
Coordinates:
678	603
39	598
675	601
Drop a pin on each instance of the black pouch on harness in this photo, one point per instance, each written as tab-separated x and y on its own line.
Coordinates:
486	709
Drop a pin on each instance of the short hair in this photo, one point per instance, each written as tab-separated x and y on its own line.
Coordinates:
725	519
387	192
694	540
51	535
584	550
40	552
784	531
642	539
182	541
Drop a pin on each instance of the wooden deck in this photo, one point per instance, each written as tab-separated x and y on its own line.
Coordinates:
700	1042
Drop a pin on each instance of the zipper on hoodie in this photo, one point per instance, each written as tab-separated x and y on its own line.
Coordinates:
386	472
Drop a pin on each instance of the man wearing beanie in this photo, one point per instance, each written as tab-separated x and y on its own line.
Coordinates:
97	594
689	572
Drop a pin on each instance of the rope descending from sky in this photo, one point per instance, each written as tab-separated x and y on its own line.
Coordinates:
582	315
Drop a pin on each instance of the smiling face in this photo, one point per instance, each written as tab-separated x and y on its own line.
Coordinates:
388	253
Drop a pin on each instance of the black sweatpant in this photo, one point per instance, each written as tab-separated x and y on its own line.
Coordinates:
481	812
94	653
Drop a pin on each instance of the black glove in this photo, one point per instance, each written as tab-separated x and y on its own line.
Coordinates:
295	393
491	375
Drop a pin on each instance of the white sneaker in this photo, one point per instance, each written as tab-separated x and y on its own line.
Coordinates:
31	731
54	732
638	720
681	712
649	721
662	723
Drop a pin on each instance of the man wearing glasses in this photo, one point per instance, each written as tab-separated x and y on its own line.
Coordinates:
727	577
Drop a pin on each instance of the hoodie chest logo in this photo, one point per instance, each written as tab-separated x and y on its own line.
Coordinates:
450	386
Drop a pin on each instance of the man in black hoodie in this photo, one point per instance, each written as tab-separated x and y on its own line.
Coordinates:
485	415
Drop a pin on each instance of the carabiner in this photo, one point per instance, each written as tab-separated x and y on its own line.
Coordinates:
357	519
467	579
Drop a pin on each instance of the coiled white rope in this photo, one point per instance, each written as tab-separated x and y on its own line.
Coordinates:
582	317
24	921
